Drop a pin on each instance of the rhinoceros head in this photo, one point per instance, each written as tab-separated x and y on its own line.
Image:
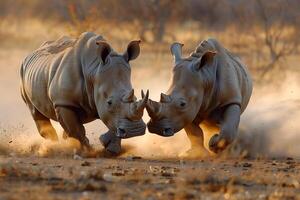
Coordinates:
183	100
114	97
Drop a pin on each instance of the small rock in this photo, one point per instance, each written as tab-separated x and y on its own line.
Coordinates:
154	169
166	174
77	157
133	158
295	183
12	154
289	162
110	178
247	165
83	174
182	162
85	163
119	173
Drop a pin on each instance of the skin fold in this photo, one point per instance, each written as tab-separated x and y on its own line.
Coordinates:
76	81
211	85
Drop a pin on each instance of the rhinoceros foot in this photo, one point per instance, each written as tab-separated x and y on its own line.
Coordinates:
194	153
217	143
111	143
105	139
114	147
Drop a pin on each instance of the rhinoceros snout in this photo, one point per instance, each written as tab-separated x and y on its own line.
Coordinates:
131	129
121	133
167	132
161	128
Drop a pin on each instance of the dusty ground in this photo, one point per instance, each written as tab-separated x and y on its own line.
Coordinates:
138	178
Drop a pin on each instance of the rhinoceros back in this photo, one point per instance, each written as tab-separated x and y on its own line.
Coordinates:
233	77
41	73
232	81
35	74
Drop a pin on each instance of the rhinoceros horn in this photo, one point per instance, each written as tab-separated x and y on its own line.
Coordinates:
164	98
176	51
138	107
153	108
142	103
129	97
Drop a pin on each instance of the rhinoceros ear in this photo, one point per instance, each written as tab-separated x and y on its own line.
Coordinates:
207	58
133	50
104	50
176	50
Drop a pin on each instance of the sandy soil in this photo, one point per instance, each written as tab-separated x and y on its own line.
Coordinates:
138	178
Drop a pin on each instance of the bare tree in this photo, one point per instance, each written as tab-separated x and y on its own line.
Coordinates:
279	37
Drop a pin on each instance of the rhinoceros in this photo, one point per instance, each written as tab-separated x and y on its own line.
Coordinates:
76	81
211	86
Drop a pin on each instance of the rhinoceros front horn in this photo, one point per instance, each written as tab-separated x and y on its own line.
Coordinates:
142	103
137	108
176	49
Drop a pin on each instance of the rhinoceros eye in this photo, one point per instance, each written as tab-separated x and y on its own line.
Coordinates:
182	103
109	102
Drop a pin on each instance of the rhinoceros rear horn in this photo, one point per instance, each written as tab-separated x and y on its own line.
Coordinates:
129	97
165	98
104	50
176	50
133	50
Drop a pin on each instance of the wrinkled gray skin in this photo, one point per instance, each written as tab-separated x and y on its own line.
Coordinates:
211	86
76	81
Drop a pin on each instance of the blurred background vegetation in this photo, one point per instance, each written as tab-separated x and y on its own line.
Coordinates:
266	34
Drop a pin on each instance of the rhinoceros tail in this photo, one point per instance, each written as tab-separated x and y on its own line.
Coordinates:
22	83
21	71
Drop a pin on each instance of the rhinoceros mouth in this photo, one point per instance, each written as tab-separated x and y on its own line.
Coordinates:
128	129
162	127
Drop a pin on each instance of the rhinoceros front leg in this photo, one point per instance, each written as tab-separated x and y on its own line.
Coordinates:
195	135
72	125
111	142
229	129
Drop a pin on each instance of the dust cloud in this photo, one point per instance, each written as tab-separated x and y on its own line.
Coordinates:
269	127
271	124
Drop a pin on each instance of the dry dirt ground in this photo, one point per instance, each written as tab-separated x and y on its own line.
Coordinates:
139	178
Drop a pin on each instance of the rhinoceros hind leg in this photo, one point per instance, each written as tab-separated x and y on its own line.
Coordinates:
43	125
111	143
46	129
229	129
195	135
72	125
